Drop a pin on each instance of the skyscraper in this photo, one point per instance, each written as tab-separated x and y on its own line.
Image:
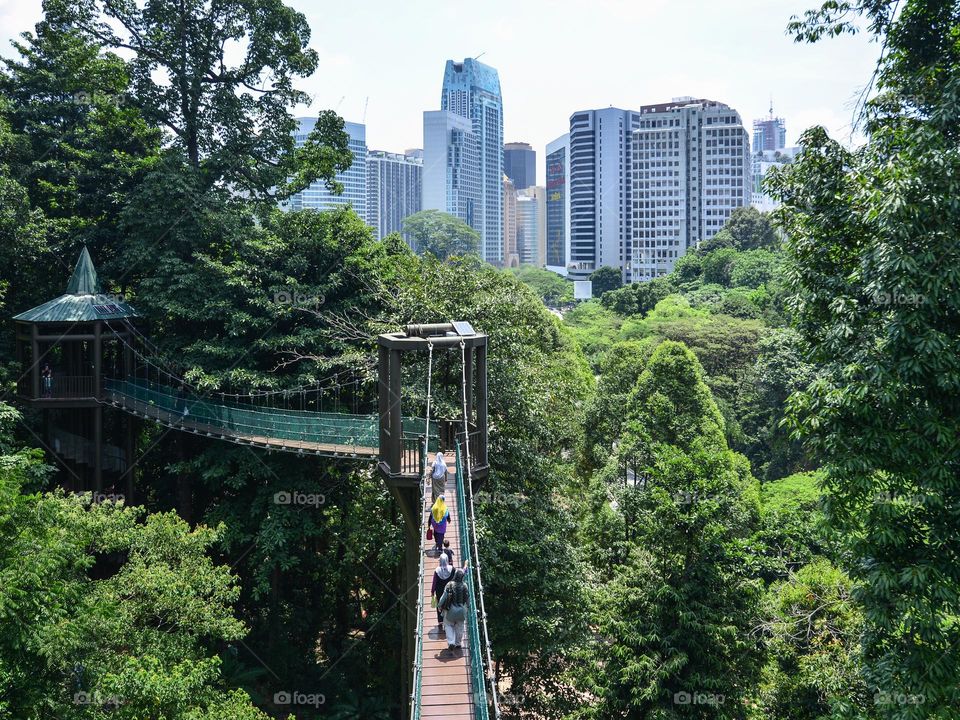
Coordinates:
520	164
451	168
769	133
599	186
511	258
558	204
531	226
354	179
394	186
472	90
691	168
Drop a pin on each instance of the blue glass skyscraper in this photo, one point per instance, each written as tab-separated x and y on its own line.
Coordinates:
472	90
353	179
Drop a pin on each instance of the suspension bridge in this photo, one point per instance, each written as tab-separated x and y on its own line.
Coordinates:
83	353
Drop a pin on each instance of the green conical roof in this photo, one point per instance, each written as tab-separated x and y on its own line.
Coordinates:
83	301
84	278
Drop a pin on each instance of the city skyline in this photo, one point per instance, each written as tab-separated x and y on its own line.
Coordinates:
388	81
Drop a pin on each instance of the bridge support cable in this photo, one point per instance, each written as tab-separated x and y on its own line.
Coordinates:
491	675
416	694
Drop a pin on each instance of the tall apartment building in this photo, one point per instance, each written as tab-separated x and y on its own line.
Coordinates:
520	164
354	179
599	185
531	226
471	90
451	179
770	133
394	186
761	162
511	258
690	169
557	227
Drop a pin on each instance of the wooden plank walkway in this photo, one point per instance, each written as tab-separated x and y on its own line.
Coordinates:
447	691
181	422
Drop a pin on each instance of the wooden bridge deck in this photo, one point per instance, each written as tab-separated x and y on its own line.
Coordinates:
185	423
447	691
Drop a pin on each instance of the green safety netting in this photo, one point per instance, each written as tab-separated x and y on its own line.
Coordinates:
303	426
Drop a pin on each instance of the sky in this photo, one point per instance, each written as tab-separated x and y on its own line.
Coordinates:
382	61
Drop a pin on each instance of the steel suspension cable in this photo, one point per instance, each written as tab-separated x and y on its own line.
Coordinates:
491	672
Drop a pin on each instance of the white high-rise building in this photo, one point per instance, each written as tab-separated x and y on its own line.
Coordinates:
394	187
531	226
354	179
451	167
762	162
599	186
690	168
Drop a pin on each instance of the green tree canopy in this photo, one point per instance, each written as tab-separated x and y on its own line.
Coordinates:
230	119
605	279
441	234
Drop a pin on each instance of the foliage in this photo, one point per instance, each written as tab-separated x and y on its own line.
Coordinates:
605	279
746	229
552	288
229	120
676	618
873	247
638	298
594	328
441	234
106	610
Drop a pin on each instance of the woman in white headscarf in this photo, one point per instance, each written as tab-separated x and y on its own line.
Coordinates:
441	576
438	477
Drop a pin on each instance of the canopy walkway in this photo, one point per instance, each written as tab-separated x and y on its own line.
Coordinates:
82	354
449	686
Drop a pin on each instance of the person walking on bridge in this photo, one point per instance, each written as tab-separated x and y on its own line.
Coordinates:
453	603
439	517
438	477
441	576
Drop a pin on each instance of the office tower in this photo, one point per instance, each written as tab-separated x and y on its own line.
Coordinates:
599	186
393	189
354	179
520	164
472	90
769	133
510	256
691	168
451	168
558	204
531	226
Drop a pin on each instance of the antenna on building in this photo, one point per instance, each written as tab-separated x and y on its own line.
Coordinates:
477	57
365	103
771	107
337	108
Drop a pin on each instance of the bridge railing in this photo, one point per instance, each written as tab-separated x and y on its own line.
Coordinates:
477	674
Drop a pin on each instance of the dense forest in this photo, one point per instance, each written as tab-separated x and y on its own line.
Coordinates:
730	492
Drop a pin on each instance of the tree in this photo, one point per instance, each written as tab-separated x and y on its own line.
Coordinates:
873	245
746	229
229	120
605	279
675	621
441	234
107	610
552	288
638	298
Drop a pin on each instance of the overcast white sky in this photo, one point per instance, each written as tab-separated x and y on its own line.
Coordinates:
558	56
